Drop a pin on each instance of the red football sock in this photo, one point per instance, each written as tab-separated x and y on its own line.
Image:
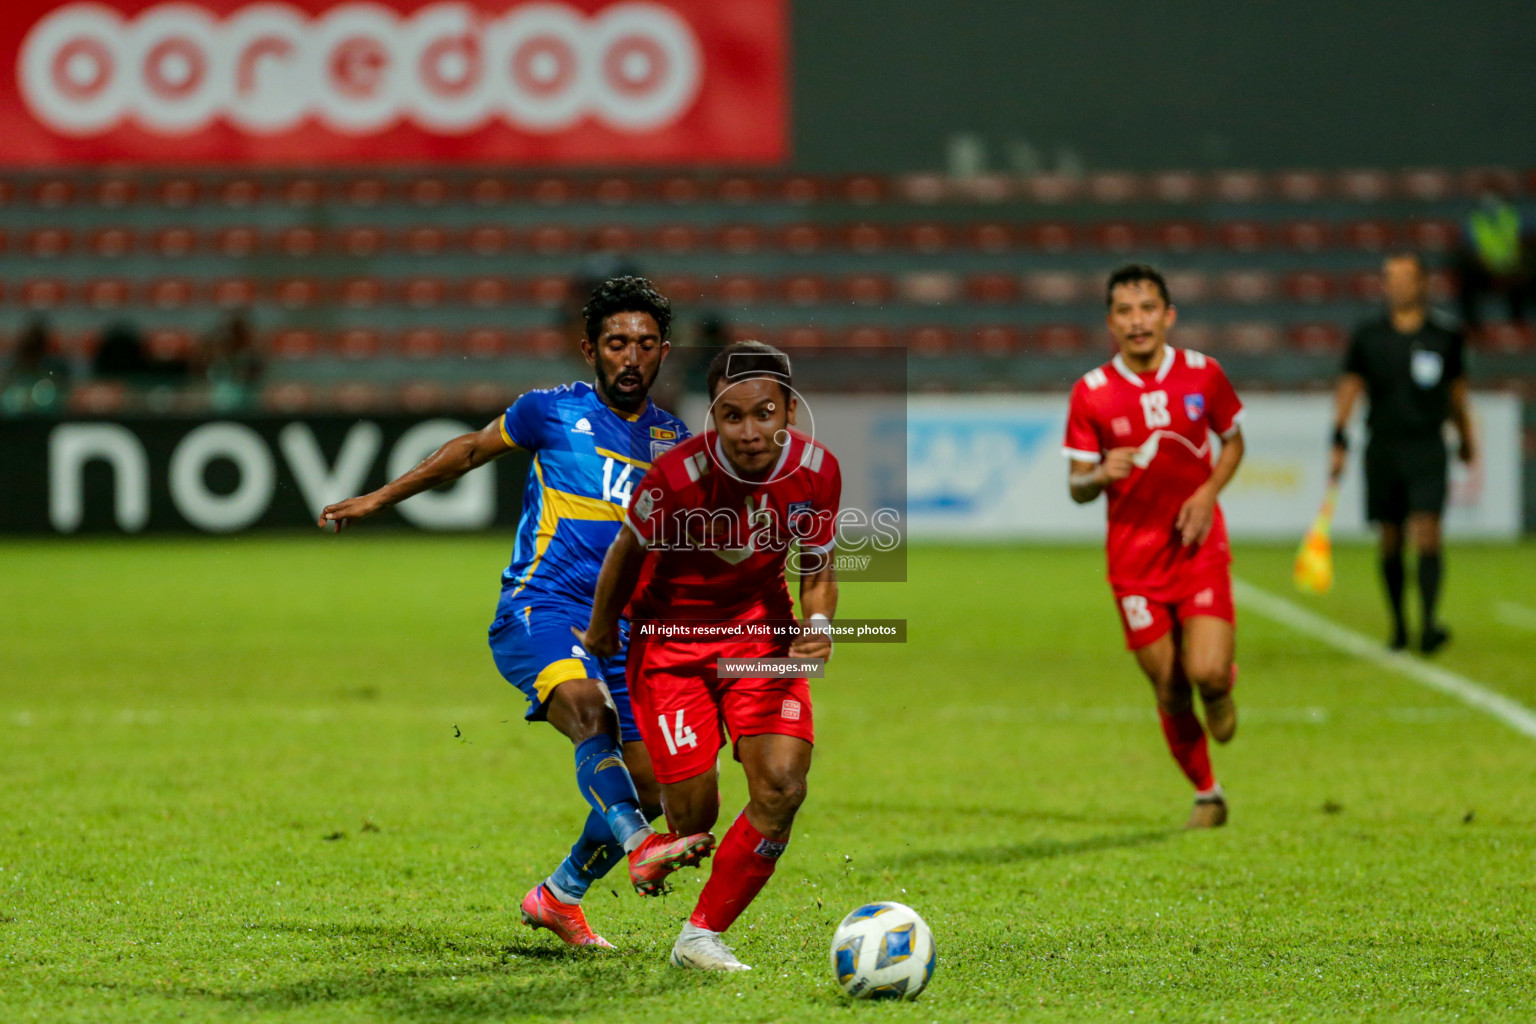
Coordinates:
744	861
1186	741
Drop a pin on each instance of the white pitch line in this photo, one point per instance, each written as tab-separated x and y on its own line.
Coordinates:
1512	713
1517	615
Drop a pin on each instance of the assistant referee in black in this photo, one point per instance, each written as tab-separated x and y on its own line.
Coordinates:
1409	363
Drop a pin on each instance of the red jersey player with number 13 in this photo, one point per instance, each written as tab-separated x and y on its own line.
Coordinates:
1140	429
718	516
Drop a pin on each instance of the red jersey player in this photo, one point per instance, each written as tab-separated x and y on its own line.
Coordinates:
719	514
1140	429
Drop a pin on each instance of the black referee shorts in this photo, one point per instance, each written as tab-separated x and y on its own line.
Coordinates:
1404	477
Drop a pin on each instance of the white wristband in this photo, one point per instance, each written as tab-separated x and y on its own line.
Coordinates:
820	623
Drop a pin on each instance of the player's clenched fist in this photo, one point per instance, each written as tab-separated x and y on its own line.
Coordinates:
599	645
1195	517
1117	463
814	641
336	515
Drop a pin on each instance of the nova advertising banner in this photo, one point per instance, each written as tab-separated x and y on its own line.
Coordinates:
310	81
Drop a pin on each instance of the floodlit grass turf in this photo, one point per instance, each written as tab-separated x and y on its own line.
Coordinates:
279	780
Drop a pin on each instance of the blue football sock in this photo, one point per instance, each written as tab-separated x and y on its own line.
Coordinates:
605	784
593	856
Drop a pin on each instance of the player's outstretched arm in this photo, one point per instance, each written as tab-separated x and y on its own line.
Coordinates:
1351	387
1087	480
615	584
1198	513
447	464
818	605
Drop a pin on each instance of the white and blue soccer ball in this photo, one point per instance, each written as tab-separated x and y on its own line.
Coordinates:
883	951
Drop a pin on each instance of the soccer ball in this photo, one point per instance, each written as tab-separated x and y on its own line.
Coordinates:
883	951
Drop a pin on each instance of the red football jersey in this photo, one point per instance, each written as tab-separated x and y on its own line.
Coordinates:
720	542
1168	416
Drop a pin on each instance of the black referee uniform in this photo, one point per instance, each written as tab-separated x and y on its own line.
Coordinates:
1408	380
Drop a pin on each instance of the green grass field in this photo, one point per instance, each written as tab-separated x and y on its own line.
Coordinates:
280	780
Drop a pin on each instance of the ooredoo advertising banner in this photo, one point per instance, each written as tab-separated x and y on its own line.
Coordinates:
310	81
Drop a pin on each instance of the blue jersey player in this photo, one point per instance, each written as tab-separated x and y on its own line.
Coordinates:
591	446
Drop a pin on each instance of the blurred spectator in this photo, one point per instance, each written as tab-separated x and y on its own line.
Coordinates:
596	267
35	381
232	365
1496	259
120	354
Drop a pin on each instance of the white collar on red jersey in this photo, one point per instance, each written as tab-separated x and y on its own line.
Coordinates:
771	477
1134	377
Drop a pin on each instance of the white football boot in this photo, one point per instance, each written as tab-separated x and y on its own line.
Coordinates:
700	949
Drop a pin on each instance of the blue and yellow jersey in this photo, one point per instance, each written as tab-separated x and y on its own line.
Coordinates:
587	459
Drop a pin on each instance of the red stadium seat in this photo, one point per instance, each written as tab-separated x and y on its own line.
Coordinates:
112	243
931	341
1441	286
1307	235
547	343
741	239
1247	286
806	289
1257	338
738	190
487	342
490	191
1508	338
1061	339
1432	235
353	292
106	293
288	397
52	193
929	287
422	343
1115	187
549	290
489	240
620	238
358	343
362	242
1053	287
1317	339
868	289
294	343
301	192
170	293
927	237
488	291
178	193
357	396
801	190
298	241
1365	186
366	192
238	193
426	240
1052	189
804	337
1365	284
237	242
553	191
486	397
116	193
866	238
803	238
1369	235
48	243
1243	235
422	396
174	243
427	192
1301	186
990	236
1480	179
868	337
1309	287
1188	286
1117	236
616	191
680	191
1053	236
234	292
680	287
865	189
296	292
924	188
168	344
552	240
98	397
677	239
424	292
1179	235
997	340
1427	184
1177	186
992	288
1239	186
741	289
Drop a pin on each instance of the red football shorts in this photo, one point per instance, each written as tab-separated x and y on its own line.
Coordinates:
684	709
1145	619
